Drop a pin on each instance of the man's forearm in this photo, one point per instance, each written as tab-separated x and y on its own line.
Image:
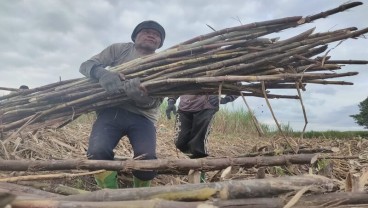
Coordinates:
91	69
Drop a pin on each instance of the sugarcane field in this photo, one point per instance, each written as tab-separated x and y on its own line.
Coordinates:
118	136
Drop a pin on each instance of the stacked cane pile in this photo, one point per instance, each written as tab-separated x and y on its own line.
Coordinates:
228	61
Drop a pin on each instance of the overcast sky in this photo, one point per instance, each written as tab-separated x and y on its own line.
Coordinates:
43	41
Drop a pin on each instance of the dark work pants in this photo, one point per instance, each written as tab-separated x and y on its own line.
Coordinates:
192	130
114	123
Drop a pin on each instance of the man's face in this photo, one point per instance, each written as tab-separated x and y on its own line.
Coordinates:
148	39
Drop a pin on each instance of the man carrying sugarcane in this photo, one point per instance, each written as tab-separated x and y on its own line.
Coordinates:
193	123
134	118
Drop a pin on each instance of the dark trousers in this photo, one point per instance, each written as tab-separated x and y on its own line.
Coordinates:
114	123
192	130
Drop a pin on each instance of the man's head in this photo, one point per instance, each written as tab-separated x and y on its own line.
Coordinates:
23	87
149	33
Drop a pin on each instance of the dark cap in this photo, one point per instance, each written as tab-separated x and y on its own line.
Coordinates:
23	87
149	24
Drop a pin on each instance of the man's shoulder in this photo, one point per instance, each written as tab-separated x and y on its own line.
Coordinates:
122	45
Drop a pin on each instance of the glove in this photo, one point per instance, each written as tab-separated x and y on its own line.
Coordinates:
108	80
224	100
111	82
215	101
228	98
133	90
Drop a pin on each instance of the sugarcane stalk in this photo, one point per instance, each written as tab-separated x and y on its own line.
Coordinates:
346	62
242	27
53	188
338	199
289	151
268	30
325	82
206	164
25	191
324	14
275	77
311	52
9	89
47	176
29	91
153	203
63	93
222	190
317	67
156	71
341	199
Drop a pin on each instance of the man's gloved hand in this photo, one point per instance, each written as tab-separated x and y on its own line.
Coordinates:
224	100
110	81
134	91
228	98
214	100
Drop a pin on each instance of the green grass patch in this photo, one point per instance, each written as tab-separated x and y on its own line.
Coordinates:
333	134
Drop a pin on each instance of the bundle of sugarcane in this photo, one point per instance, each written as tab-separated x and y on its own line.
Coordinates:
228	61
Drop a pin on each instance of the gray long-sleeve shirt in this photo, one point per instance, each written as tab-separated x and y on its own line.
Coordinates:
117	54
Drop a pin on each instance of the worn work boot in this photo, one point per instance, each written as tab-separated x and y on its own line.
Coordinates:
196	176
107	179
140	183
